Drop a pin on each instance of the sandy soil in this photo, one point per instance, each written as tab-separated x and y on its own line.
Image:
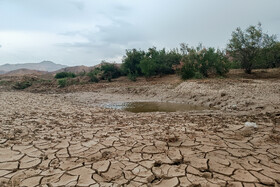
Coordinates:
67	139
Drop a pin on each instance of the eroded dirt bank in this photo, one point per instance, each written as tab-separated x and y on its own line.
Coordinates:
68	140
242	96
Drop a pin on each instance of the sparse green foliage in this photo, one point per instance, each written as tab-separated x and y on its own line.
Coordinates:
150	63
22	85
83	73
234	65
270	57
187	71
246	46
93	76
202	62
132	77
198	75
131	63
106	71
64	75
110	71
4	82
62	82
159	62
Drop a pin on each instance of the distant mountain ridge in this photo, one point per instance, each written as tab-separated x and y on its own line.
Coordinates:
75	69
42	66
19	72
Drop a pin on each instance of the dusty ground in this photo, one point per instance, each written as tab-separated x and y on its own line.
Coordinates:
67	139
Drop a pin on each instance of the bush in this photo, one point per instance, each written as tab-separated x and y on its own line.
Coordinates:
4	82
62	82
81	74
148	67
22	85
132	77
187	71
153	62
234	65
131	63
269	57
106	71
202	62
109	71
198	75
159	62
64	75
93	77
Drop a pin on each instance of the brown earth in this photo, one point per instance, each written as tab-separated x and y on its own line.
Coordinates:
63	137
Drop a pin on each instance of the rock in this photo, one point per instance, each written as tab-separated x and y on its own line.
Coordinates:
251	124
223	94
234	107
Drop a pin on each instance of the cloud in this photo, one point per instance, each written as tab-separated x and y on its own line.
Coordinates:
118	32
78	4
86	32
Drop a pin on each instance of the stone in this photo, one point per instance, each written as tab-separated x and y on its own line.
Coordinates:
251	124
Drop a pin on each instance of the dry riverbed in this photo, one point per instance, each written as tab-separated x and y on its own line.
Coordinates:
68	139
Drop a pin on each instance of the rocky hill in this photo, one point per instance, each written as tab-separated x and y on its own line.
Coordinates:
75	69
42	66
20	72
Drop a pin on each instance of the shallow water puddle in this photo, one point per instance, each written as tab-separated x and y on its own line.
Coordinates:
138	107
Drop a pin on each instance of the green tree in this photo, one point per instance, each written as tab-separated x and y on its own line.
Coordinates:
159	62
271	56
201	62
245	46
131	63
149	64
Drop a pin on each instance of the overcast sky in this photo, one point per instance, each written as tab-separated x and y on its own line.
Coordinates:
84	32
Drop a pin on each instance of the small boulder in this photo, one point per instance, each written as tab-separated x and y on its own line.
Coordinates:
223	94
251	124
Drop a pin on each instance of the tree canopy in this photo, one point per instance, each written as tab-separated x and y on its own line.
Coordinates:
246	46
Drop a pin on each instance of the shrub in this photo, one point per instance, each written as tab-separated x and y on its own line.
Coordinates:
131	63
187	71
159	62
201	62
4	82
269	57
148	67
81	74
234	65
64	75
93	77
198	75
22	85
110	71
132	77
62	82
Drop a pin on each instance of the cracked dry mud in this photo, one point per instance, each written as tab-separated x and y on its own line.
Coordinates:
46	140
